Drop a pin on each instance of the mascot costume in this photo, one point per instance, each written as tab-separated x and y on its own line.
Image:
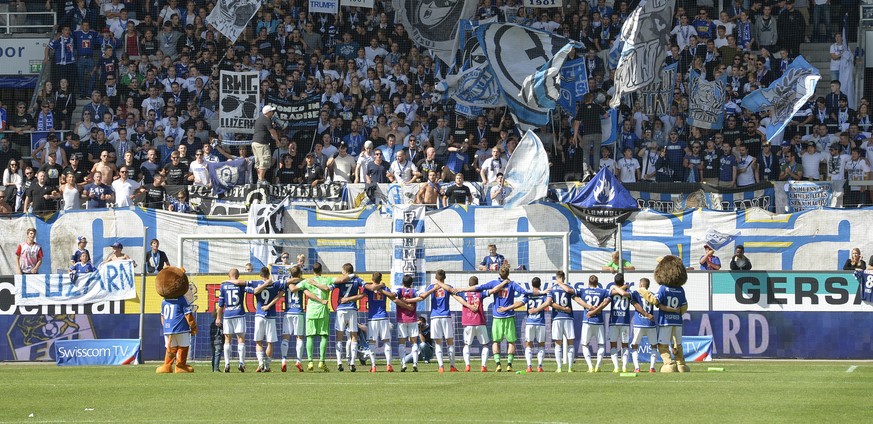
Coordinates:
177	318
670	298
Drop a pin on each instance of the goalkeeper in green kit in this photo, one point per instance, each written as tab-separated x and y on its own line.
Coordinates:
318	289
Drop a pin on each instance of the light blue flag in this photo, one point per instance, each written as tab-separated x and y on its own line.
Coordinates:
527	173
614	54
574	84
706	101
609	128
785	96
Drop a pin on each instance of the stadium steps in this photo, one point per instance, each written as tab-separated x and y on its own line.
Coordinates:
818	55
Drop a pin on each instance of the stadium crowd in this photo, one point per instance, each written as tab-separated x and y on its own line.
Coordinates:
151	73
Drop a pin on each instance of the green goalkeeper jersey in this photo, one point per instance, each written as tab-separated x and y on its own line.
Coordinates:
315	310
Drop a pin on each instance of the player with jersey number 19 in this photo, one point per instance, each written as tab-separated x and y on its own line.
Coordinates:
670	273
644	325
473	320
562	321
231	317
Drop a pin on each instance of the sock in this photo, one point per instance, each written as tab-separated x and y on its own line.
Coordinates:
226	354
484	356
299	347
267	361
600	352
636	358
260	355
571	356
415	354
528	356
438	348
241	350
322	348
614	356
541	354
339	352
354	352
451	355
509	359
403	353
466	353
586	352
387	353
284	349
309	347
497	357
623	358
559	353
348	348
652	361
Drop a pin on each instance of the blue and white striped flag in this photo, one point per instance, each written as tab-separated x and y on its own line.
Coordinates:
785	96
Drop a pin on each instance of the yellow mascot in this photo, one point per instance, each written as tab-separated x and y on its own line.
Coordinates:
670	273
177	319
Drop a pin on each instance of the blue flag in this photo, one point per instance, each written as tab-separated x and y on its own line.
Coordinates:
574	84
785	96
705	101
604	191
226	175
609	128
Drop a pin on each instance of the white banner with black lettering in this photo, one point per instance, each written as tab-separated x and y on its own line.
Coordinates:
240	97
357	3
408	256
111	281
323	6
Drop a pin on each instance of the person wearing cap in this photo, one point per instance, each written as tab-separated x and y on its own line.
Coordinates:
313	174
709	262
117	254
811	161
263	133
81	248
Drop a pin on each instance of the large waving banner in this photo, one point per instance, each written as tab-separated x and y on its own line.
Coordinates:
230	17
646	36
784	96
227	175
706	101
527	172
111	281
474	85
240	96
433	23
574	84
657	97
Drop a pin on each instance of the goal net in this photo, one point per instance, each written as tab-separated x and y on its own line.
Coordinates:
460	255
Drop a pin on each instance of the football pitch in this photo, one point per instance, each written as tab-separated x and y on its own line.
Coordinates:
746	391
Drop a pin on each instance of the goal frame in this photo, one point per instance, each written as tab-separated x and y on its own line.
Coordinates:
563	236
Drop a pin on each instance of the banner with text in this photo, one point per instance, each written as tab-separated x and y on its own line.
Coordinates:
111	281
696	349
409	253
787	291
97	352
240	97
357	3
323	6
298	114
806	195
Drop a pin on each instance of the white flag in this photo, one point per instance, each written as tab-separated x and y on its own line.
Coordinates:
527	172
230	17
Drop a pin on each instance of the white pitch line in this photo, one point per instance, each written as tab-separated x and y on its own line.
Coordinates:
852	368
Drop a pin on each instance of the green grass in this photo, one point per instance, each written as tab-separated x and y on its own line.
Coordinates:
747	391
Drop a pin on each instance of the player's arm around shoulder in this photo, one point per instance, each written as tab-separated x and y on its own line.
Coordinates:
512	307
272	303
464	303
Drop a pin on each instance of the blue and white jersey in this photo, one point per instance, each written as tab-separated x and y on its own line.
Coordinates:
351	288
640	320
232	299
173	311
264	297
865	279
376	305
492	262
532	301
439	302
621	308
593	296
561	298
293	301
504	298
673	297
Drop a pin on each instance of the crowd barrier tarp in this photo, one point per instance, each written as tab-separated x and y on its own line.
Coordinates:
111	281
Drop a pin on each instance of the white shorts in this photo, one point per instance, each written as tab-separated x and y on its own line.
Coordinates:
294	325
347	320
379	329
650	332
176	340
618	333
407	330
478	331
667	333
442	328
265	329
535	333
590	331
235	325
563	328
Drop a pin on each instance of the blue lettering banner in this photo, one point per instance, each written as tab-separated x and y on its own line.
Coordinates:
97	352
111	281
